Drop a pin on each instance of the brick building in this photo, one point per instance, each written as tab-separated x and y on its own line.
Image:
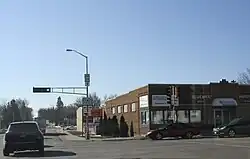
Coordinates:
209	105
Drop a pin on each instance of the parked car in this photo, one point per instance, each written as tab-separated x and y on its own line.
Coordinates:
174	130
238	126
215	130
21	136
70	128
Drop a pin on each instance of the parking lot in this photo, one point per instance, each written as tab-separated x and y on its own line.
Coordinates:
209	148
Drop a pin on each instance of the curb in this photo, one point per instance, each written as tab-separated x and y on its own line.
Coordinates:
124	139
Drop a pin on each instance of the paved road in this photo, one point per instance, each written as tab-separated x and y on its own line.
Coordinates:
54	148
198	148
145	149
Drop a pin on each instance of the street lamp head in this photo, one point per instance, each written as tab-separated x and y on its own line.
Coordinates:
69	50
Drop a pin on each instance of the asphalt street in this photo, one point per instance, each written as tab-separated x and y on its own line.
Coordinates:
211	148
54	148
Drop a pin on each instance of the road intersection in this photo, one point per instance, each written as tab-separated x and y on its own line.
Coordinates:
208	148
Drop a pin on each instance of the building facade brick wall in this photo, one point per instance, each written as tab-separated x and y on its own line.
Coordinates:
131	100
196	104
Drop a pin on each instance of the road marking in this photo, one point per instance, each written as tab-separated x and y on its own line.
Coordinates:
219	144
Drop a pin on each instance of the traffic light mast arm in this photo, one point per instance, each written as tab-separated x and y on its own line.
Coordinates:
68	90
63	90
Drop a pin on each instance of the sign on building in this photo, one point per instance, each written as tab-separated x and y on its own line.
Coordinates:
96	112
161	100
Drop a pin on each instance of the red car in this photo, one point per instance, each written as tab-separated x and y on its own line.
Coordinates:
174	130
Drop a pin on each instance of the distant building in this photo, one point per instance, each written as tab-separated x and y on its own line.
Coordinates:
212	104
93	117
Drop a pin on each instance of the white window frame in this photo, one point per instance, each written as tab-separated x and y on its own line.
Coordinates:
113	110
119	109
125	108
133	107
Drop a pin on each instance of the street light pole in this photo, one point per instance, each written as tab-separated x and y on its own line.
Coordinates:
87	83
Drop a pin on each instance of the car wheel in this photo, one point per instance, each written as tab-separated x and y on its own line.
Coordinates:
41	151
189	135
5	153
231	133
158	136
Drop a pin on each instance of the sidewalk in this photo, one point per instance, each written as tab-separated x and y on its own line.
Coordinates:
71	137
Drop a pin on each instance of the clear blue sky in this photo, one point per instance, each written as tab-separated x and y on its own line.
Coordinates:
129	43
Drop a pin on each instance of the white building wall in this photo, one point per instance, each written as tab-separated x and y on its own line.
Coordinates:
79	119
92	126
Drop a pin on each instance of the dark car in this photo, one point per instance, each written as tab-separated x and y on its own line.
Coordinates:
174	130
238	126
21	136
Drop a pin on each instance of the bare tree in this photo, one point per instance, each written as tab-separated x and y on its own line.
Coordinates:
94	98
244	77
109	97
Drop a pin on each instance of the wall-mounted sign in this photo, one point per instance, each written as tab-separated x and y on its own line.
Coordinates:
160	100
244	98
201	96
200	99
143	101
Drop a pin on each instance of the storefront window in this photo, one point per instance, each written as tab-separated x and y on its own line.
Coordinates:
157	117
145	117
168	116
183	116
195	116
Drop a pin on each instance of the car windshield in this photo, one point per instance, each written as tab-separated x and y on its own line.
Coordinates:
234	121
23	127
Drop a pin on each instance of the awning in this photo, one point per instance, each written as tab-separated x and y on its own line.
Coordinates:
224	102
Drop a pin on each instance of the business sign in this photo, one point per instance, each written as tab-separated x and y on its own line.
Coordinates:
160	100
201	99
244	99
96	112
143	101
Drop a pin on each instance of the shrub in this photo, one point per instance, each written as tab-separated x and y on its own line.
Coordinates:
131	129
115	127
123	127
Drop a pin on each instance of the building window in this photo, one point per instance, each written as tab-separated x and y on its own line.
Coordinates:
133	107
186	113
125	108
119	109
144	117
157	117
183	116
113	110
169	116
195	116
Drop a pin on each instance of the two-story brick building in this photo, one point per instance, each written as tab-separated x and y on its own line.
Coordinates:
202	104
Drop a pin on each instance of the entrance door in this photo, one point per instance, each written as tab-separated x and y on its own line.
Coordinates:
222	116
218	117
226	116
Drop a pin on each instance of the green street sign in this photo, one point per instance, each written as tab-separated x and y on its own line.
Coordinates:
41	89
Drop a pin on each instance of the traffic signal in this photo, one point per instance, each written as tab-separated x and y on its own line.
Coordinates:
177	91
169	91
169	94
41	89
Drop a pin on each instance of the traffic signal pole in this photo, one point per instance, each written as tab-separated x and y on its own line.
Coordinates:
65	90
87	82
